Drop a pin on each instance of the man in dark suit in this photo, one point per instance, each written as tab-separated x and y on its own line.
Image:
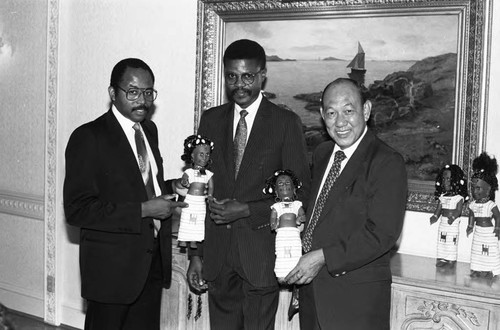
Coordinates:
237	256
353	225
113	173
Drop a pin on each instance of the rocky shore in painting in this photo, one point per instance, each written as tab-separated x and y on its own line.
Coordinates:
413	111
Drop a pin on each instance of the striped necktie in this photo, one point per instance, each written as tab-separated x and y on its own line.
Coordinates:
145	167
323	196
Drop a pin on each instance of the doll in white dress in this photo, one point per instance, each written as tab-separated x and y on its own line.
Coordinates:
451	193
198	179
485	253
287	217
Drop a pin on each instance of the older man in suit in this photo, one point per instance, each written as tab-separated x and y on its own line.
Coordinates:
237	256
113	173
359	191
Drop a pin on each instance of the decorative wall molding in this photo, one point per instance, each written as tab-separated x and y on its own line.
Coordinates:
51	288
21	204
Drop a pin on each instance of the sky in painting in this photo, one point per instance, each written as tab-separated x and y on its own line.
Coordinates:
382	38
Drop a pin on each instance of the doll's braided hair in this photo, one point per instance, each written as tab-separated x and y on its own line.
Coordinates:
271	181
485	168
458	182
191	142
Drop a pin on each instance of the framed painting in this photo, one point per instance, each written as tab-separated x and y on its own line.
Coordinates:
419	61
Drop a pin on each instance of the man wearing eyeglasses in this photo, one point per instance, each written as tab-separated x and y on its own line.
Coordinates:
115	193
236	260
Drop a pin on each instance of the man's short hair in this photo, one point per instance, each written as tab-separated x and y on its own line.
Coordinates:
121	67
245	49
359	88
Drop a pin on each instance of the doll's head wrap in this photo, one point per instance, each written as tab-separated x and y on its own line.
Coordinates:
191	142
271	181
485	168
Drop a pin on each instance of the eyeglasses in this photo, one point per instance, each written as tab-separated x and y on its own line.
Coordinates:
247	78
133	94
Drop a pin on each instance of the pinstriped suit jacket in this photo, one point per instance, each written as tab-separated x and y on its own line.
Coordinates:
276	141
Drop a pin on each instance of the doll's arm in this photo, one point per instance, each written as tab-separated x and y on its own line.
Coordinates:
301	216
274	219
496	216
437	213
210	191
456	212
185	180
470	226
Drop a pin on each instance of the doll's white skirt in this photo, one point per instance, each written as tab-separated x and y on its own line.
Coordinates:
447	243
485	254
288	250
192	222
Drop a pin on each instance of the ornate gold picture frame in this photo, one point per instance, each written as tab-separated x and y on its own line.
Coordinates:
218	19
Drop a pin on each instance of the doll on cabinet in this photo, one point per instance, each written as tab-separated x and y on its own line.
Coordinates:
198	179
484	218
287	217
451	193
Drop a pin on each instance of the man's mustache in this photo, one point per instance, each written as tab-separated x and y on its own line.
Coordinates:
233	93
140	107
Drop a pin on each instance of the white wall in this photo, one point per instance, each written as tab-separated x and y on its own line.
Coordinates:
22	132
93	36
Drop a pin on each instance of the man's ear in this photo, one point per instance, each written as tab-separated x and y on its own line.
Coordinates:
367	109
111	92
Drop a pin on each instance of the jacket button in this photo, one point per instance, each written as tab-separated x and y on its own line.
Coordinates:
228	226
150	251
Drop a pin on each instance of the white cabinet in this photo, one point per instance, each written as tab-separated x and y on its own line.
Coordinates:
426	297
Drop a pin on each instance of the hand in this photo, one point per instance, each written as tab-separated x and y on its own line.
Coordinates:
451	218
194	277
433	219
307	268
179	188
496	231
300	219
469	230
160	207
227	210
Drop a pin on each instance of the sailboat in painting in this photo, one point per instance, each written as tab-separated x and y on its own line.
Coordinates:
358	62
357	66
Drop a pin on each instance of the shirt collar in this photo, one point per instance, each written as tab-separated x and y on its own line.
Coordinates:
252	108
125	123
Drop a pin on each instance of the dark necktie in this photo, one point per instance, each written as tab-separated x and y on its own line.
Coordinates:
145	166
240	140
323	196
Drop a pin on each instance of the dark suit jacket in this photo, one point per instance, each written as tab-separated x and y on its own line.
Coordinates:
361	221
103	191
275	142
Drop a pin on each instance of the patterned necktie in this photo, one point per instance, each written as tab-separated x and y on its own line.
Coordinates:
145	166
323	196
240	141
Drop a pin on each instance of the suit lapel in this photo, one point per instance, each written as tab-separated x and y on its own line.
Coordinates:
350	172
320	168
228	136
153	144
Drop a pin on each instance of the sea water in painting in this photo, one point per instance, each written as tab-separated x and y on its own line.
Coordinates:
407	73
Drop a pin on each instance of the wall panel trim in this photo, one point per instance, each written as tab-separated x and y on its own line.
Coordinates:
22	204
